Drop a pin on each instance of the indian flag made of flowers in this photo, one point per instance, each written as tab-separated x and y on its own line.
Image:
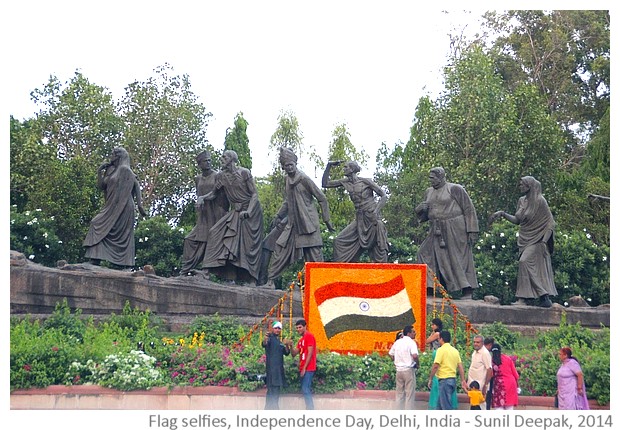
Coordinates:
359	307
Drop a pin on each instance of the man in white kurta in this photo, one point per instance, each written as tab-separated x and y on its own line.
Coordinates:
404	352
480	368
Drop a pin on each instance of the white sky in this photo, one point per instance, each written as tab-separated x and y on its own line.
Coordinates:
328	63
365	64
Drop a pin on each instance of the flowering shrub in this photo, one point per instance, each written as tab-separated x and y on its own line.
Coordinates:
106	355
125	371
496	257
336	372
34	235
581	266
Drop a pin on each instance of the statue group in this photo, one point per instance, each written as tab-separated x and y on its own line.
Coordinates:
228	239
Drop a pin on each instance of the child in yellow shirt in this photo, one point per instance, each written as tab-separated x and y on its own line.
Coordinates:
475	396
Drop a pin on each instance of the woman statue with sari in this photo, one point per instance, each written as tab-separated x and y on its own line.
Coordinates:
110	236
536	229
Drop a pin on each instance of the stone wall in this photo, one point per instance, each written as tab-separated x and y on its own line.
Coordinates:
35	290
99	291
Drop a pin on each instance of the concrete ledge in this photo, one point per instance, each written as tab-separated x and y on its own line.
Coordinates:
98	292
60	397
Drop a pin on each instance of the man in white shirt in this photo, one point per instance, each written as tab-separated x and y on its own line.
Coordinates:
404	353
480	368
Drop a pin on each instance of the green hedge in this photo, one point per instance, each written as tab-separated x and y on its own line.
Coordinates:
129	351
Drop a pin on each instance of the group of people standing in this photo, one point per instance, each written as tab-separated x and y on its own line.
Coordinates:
492	379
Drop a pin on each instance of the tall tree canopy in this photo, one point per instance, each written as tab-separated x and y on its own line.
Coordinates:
566	55
78	118
165	127
485	136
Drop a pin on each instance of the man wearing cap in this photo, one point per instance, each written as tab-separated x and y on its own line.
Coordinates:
274	352
404	353
298	219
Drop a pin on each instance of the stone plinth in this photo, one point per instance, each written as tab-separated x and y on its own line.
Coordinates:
226	398
35	290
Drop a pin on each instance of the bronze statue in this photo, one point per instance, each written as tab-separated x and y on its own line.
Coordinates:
298	220
447	250
269	246
535	241
207	214
367	232
234	246
110	236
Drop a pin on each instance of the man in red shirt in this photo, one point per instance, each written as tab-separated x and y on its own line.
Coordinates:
306	348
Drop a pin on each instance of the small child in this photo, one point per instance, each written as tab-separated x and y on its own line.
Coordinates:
475	395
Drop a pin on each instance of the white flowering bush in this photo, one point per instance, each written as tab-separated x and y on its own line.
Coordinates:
34	234
581	266
125	371
496	258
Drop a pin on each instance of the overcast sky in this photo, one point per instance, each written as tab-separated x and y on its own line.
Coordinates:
327	62
365	64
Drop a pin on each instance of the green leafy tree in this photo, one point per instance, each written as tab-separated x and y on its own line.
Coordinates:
566	55
583	201
78	118
29	156
61	191
165	127
288	134
237	140
483	135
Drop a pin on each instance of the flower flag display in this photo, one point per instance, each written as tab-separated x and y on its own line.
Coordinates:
359	307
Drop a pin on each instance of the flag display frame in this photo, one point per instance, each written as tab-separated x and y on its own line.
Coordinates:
358	308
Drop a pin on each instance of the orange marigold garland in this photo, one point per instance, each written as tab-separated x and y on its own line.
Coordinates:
301	289
290	309
457	315
278	308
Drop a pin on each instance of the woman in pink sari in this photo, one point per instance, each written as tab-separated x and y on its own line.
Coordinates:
571	388
505	377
